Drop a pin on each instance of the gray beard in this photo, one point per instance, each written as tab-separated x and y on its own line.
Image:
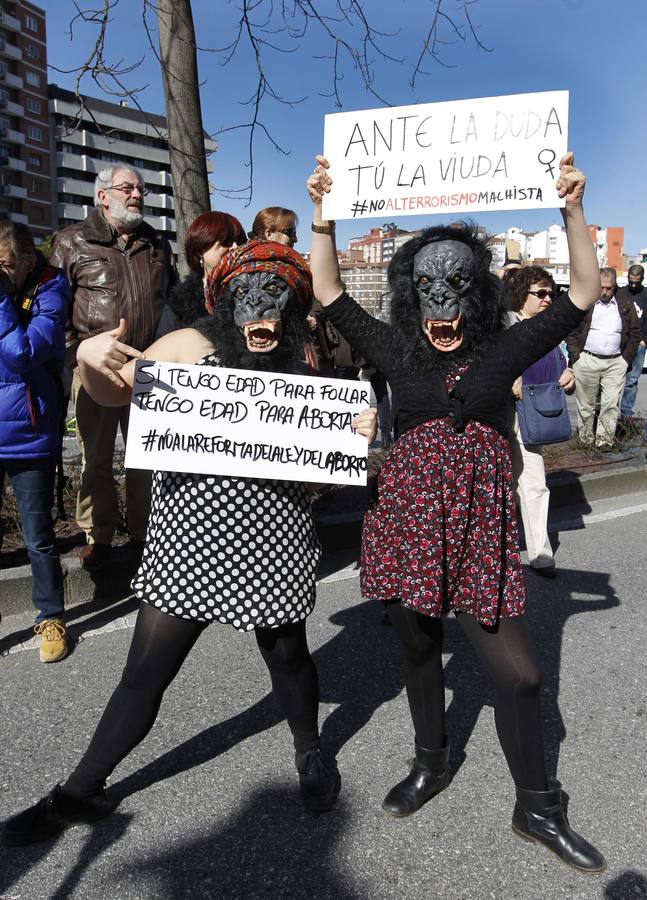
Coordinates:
127	219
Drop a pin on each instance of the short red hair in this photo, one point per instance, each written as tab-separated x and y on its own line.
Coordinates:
203	233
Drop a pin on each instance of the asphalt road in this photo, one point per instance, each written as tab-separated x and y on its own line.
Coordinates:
209	804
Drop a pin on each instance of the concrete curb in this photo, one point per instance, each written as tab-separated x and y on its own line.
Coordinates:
79	585
336	531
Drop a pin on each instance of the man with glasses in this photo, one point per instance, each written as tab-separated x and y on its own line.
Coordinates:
600	351
118	268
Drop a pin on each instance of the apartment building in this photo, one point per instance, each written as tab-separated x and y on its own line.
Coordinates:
366	283
380	244
608	243
104	133
25	157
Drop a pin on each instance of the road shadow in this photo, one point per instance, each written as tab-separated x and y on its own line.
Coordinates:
336	560
360	670
629	885
16	862
549	606
356	691
269	848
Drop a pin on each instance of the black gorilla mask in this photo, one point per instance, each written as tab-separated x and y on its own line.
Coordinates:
446	305
260	299
276	343
443	275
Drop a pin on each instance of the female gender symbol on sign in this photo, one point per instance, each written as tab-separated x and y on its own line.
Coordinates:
548	161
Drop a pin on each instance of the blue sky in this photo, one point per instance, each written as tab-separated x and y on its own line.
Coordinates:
594	48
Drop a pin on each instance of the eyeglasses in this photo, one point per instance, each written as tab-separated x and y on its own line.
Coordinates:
127	188
542	294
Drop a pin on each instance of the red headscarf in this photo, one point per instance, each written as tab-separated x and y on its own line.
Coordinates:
261	256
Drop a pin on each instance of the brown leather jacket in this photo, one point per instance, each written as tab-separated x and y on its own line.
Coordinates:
109	283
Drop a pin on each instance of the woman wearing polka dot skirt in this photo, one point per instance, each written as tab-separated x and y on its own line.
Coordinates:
240	551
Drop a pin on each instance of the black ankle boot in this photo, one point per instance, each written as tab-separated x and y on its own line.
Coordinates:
319	780
428	777
540	816
53	814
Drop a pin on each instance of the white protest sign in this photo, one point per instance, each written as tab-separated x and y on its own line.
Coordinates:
455	157
212	420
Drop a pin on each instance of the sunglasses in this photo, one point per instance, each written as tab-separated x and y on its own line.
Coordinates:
542	294
290	233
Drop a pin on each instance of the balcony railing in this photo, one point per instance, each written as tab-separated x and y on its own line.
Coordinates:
9	21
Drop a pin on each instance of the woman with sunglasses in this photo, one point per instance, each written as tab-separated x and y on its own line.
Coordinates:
531	290
206	241
275	223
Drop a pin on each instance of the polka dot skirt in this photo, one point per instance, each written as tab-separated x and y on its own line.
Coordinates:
232	550
236	550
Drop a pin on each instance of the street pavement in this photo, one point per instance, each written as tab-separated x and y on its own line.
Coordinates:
209	804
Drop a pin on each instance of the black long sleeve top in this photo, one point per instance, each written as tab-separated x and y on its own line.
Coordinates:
482	392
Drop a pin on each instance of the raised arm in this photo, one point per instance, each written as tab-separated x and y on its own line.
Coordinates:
584	287
324	265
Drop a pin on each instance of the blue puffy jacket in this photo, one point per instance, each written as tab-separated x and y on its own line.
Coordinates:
32	351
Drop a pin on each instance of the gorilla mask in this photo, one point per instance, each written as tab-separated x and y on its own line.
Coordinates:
443	276
260	299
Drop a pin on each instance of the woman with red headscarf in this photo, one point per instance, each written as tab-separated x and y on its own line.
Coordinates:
241	551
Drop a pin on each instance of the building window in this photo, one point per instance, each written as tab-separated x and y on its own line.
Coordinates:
32	51
35	133
34	161
33	105
4	94
32	78
31	23
5	123
4	67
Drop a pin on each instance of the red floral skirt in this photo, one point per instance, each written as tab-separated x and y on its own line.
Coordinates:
443	535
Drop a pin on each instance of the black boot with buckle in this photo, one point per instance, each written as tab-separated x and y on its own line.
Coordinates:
429	776
540	816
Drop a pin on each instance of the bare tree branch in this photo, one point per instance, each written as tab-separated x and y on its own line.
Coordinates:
267	28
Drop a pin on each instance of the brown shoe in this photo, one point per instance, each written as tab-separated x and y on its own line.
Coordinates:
94	556
53	639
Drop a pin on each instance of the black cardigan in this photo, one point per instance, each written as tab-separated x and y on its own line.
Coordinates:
483	392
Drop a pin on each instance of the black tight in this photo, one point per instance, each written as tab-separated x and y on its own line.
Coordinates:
159	647
294	680
509	658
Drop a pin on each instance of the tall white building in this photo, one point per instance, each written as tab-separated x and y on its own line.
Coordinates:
110	133
550	246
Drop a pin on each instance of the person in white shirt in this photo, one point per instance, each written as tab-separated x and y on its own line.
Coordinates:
600	351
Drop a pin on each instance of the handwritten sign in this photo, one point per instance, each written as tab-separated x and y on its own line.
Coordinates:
455	157
221	421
